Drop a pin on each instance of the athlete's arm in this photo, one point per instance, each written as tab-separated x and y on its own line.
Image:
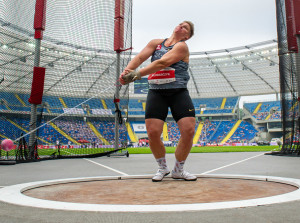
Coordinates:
179	52
140	58
144	54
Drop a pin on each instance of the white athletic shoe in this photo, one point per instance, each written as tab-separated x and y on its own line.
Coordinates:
161	173
183	175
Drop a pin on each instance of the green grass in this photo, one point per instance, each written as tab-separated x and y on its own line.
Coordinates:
211	149
70	152
63	152
146	150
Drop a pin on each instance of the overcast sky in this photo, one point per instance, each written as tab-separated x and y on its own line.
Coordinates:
219	24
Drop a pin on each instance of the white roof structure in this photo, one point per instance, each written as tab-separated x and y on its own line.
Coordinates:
239	71
70	70
73	70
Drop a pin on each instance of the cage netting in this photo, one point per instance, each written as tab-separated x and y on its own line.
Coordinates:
288	83
83	111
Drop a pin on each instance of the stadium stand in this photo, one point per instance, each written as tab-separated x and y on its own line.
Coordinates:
52	101
244	133
217	111
264	110
209	129
208	102
231	102
221	131
214	131
251	106
10	98
135	104
78	130
132	113
173	132
106	129
10	130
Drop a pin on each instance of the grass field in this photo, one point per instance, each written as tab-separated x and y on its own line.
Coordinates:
146	150
211	149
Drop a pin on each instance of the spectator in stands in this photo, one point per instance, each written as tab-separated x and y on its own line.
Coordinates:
58	146
170	61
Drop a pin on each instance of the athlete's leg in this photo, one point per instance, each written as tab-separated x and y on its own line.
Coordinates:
187	129
154	130
183	112
156	113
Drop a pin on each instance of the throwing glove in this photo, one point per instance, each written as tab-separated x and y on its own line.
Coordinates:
131	77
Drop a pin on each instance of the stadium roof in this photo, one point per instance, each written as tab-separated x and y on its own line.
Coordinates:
73	69
239	71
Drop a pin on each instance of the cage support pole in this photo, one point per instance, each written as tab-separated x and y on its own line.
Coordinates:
33	111
297	55
39	26
282	54
118	48
117	96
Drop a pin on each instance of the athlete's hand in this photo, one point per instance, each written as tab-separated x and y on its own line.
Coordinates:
129	76
126	71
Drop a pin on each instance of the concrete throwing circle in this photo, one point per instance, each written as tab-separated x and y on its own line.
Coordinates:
140	194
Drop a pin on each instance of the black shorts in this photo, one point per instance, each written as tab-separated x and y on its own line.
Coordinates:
179	101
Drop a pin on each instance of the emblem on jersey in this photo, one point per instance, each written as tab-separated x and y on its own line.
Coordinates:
163	76
158	47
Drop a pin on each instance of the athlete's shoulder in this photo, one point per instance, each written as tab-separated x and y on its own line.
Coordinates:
182	46
155	42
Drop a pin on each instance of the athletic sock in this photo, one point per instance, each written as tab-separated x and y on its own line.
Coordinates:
162	163
178	166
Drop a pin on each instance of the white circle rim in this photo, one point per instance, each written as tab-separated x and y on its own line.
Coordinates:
14	195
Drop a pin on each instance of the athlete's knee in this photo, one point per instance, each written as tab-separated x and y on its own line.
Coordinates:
188	131
153	133
153	130
187	127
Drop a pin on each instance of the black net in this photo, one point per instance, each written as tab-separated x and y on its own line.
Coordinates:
288	84
80	114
